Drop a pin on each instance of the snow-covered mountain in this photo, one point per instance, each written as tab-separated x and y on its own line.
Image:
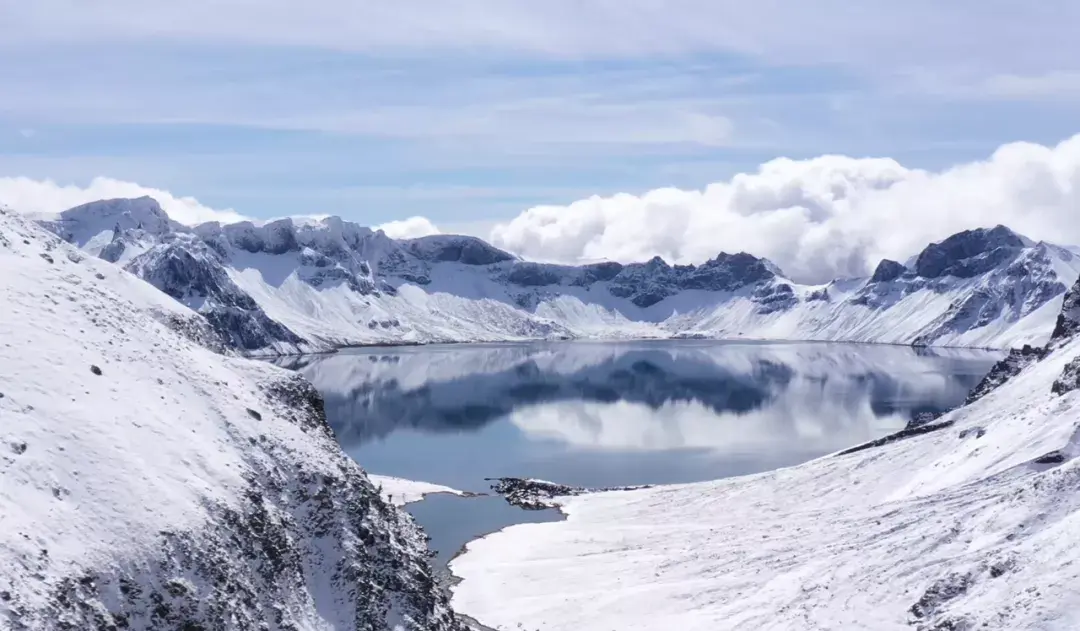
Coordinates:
150	482
312	285
967	523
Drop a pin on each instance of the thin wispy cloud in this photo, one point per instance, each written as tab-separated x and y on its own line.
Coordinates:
277	107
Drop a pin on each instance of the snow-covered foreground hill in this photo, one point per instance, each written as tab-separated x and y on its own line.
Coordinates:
150	483
289	286
972	525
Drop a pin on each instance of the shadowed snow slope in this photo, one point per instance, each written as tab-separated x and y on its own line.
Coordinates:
148	483
289	286
972	526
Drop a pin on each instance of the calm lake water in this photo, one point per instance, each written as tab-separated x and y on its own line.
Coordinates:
612	414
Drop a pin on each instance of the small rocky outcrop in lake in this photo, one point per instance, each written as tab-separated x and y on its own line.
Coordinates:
540	494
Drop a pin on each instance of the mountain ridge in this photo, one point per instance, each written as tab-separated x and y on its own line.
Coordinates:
288	286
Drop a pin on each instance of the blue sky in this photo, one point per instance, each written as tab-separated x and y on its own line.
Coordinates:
476	110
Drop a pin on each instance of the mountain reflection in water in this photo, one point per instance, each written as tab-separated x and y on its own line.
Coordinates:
599	414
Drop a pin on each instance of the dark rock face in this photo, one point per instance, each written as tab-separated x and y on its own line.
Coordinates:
467	250
1069	379
597	272
646	284
1017	360
969	253
887	271
532	275
1068	322
775	298
927	609
193	273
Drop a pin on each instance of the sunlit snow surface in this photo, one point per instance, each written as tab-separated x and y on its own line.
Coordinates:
970	528
131	455
400	492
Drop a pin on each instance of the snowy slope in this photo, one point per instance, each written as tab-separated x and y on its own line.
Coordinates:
400	492
147	482
292	286
971	526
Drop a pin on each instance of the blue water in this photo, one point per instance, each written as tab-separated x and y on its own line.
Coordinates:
607	414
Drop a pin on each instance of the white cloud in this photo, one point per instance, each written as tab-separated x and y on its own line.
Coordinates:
819	218
45	197
410	228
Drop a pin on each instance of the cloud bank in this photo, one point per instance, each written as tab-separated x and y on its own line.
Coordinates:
818	219
45	197
410	228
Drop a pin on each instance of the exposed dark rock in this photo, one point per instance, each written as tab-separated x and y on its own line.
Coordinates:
1069	379
887	271
95	370
460	249
1068	322
646	284
897	436
1017	360
969	253
923	418
194	274
533	275
253	414
975	432
538	494
1054	457
939	593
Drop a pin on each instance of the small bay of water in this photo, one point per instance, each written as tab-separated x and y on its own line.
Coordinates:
615	414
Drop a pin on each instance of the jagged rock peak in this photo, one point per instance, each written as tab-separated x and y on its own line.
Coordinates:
969	253
888	270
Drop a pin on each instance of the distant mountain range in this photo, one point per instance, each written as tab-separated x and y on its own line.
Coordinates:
292	285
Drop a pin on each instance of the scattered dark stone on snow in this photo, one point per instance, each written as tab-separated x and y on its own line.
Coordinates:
901	435
941	592
5	596
253	414
976	432
537	494
46	257
99	276
997	570
18	448
95	370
